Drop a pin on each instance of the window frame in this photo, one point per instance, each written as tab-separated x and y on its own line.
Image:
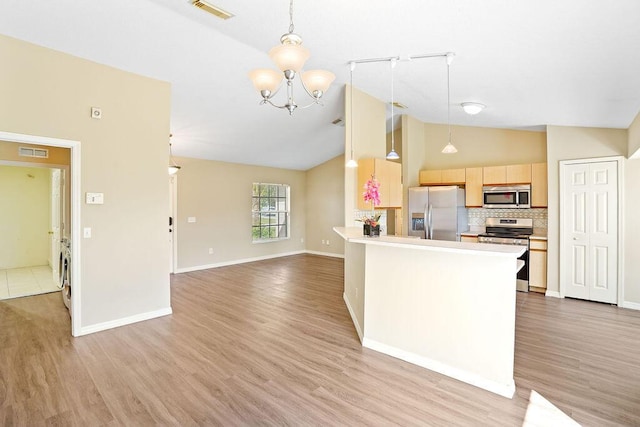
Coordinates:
277	206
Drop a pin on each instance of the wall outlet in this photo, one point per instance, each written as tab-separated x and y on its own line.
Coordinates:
302	240
327	243
210	251
323	241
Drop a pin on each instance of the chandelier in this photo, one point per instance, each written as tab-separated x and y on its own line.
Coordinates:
290	57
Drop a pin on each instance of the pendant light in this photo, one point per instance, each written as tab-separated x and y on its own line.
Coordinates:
392	154
351	163
173	167
449	148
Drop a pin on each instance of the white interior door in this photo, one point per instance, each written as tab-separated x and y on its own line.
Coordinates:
589	254
56	209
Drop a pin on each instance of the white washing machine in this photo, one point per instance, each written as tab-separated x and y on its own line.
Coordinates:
65	271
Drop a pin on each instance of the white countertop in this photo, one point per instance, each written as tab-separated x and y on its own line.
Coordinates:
354	235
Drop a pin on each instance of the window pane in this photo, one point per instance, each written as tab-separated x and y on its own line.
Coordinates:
255	221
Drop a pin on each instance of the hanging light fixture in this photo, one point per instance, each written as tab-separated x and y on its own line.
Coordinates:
173	167
351	163
290	57
472	108
449	148
392	154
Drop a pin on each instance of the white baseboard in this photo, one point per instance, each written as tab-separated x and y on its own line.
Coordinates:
354	319
86	330
236	261
329	254
631	305
554	294
505	390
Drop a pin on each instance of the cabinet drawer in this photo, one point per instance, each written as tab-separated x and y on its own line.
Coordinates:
469	239
537	245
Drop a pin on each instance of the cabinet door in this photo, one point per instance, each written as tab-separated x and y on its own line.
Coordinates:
430	177
538	263
518	174
453	176
473	187
494	175
394	184
539	185
468	239
381	167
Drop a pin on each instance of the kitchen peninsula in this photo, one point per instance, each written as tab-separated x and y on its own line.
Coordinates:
446	306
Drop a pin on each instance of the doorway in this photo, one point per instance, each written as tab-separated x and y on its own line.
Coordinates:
31	223
73	210
590	229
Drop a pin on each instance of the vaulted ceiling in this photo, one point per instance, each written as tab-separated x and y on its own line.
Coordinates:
533	63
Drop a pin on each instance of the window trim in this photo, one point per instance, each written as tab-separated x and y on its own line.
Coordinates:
286	212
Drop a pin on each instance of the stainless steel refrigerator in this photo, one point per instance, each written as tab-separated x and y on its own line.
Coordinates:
437	213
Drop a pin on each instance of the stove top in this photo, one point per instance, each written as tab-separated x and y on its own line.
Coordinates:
510	231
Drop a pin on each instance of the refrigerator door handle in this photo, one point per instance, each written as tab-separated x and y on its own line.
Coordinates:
426	222
430	222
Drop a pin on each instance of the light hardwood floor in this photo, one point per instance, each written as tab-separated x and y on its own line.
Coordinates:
271	343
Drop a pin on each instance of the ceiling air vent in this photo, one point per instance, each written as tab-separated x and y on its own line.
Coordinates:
338	122
39	153
214	10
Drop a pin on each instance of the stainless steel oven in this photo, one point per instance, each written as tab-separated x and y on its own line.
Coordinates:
508	197
511	231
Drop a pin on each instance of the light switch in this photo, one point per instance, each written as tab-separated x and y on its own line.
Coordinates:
87	232
95	198
191	219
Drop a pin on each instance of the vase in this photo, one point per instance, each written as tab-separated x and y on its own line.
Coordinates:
370	231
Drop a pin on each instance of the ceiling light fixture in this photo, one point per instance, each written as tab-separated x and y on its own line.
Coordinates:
173	167
472	107
392	154
449	148
351	163
290	57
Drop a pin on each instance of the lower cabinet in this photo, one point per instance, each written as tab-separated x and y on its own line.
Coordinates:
537	265
469	239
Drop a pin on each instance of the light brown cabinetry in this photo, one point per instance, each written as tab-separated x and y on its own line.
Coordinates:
511	174
469	239
539	185
388	174
442	177
473	187
537	265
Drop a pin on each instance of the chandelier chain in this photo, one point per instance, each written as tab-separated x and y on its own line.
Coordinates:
291	27
448	102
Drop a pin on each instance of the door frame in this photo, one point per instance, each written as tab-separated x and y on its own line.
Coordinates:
620	168
74	146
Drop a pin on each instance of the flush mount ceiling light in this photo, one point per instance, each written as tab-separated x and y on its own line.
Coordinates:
290	57
472	107
392	154
173	167
449	148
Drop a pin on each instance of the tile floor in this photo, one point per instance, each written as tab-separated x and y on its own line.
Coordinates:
22	282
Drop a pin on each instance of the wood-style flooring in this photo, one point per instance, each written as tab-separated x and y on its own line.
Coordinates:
272	343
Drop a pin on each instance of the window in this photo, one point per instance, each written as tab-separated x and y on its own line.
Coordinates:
270	211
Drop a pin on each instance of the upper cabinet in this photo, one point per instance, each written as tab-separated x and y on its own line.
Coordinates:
474	178
473	188
511	174
442	177
388	174
539	185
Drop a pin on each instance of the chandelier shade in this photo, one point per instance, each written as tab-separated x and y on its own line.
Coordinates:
317	81
265	79
289	57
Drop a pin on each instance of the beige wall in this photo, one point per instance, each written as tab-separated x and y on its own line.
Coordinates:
567	143
482	147
125	265
25	194
325	206
634	138
369	139
218	195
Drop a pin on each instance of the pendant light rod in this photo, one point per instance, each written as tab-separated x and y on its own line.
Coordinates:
393	155
449	148
351	163
407	58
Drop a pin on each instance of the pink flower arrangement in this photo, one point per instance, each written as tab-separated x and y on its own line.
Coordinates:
371	191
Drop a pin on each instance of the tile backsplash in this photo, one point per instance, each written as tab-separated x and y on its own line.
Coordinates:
478	216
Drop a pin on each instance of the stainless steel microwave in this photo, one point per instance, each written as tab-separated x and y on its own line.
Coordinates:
506	197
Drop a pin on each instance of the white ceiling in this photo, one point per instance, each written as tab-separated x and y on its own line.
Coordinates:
533	63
